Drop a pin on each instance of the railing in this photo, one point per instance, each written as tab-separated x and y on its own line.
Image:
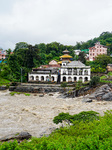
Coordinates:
43	72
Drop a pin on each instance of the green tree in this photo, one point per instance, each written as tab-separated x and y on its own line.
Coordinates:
103	60
81	57
94	81
21	45
14	66
42	47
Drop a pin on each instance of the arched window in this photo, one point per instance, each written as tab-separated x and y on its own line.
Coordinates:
75	78
37	78
64	79
80	78
42	78
86	79
47	78
69	79
32	78
52	78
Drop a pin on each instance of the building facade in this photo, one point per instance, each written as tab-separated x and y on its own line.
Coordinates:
75	71
2	54
68	72
96	50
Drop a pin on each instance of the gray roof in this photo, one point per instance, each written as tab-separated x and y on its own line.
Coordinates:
75	64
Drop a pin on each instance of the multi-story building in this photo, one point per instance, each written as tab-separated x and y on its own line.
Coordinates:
2	54
68	72
96	50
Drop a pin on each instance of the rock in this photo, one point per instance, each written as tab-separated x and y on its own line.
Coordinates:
3	87
92	96
47	132
12	88
107	96
87	100
50	94
87	88
41	95
101	93
104	88
110	85
18	136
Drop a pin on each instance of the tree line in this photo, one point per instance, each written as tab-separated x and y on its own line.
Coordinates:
27	56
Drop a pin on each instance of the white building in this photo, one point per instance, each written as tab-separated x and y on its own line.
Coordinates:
76	52
68	72
75	71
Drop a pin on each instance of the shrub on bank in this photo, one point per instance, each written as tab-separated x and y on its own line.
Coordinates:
82	135
94	81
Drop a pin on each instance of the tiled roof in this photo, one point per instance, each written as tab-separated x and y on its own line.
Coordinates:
75	64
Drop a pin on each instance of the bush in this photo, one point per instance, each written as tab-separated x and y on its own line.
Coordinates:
26	94
62	116
82	116
86	116
94	81
64	84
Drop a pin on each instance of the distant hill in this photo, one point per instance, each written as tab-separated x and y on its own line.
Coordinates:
105	38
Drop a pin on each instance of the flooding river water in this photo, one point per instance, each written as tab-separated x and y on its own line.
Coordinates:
35	114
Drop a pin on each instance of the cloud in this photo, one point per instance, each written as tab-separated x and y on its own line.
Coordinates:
64	21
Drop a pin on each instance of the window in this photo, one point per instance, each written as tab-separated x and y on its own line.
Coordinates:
69	71
80	78
37	78
80	72
64	79
64	72
75	71
86	79
69	79
86	72
75	78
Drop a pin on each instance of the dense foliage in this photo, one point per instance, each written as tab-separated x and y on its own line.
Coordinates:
82	116
4	82
94	81
82	135
100	63
26	56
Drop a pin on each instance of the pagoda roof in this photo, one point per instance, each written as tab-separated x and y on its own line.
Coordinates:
66	56
60	62
66	51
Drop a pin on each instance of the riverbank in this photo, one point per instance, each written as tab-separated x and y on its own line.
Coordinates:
34	114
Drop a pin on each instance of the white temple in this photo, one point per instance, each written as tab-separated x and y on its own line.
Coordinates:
68	72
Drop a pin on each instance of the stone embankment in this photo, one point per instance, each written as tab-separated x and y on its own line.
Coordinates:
37	88
3	87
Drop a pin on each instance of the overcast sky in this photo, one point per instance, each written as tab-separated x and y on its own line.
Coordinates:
45	21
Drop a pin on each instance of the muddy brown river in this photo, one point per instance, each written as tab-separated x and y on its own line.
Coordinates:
34	114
